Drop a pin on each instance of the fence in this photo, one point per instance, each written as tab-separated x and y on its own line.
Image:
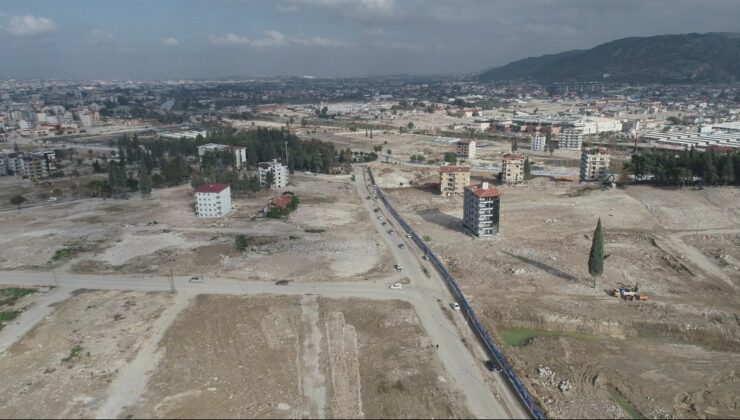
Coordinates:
480	331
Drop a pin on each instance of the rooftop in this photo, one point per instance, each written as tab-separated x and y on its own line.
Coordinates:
484	192
211	188
514	156
453	169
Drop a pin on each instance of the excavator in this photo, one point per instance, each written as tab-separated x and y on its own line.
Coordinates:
630	293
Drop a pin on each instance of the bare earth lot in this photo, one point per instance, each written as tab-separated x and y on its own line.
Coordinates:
288	357
583	350
63	366
328	238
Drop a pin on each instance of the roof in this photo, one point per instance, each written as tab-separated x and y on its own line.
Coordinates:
512	156
451	169
463	142
483	193
599	150
211	188
280	201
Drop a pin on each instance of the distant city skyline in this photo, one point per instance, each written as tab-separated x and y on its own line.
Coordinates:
168	39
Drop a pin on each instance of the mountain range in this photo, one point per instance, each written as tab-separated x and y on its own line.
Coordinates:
707	58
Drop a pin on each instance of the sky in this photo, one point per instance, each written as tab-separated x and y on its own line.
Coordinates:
182	39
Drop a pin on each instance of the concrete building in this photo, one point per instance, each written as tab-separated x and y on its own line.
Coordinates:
512	168
212	200
481	210
86	119
38	165
594	164
240	153
537	144
570	139
453	179
466	149
279	174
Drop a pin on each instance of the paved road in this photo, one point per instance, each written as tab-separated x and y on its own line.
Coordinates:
466	367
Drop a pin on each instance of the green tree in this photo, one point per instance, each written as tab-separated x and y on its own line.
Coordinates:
269	179
145	182
17	200
451	158
527	169
514	145
596	256
410	125
371	134
241	243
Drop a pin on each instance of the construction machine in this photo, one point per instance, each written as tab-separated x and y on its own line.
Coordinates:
630	293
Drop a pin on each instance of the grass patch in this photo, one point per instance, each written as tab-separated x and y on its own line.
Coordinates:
76	350
10	295
6	316
517	337
579	192
426	238
624	403
65	253
293	238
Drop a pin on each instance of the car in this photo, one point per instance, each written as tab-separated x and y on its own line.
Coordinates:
384	223
52	199
493	366
196	279
398	267
408	235
390	231
455	306
424	257
402	246
396	286
380	217
282	282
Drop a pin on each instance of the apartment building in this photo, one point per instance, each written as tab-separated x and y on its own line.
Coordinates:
212	200
512	168
240	153
38	165
537	144
570	139
594	164
481	208
466	149
453	179
279	174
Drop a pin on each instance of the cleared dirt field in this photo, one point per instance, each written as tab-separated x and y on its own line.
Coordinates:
64	365
327	238
288	357
667	357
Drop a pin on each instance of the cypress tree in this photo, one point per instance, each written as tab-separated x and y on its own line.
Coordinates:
145	182
596	256
514	146
527	168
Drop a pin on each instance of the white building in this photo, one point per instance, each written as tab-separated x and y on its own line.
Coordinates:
240	153
537	144
512	168
190	134
594	164
212	200
86	119
481	210
570	139
466	149
279	174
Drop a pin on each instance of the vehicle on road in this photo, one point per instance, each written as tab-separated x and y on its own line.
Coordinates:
384	223
424	257
196	279
408	235
398	267
390	231
52	199
493	365
282	282
455	306
380	217
402	246
396	286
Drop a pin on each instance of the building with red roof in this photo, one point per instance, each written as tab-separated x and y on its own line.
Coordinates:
212	200
481	206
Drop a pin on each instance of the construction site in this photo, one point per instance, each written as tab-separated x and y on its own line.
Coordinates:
656	335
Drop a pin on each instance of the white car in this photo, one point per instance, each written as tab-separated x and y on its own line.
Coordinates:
398	267
455	306
196	279
396	286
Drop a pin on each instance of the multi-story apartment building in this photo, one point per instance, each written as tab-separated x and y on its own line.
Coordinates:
38	165
453	179
86	119
481	208
279	174
466	149
570	139
594	164
212	200
512	168
537	144
240	153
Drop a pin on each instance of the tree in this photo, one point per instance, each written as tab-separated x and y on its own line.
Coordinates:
371	134
269	179
514	146
410	125
527	169
145	182
96	167
17	200
241	243
596	256
451	158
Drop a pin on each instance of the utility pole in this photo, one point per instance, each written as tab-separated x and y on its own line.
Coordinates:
172	283
54	273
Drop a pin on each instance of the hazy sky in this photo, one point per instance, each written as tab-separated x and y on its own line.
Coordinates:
156	39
